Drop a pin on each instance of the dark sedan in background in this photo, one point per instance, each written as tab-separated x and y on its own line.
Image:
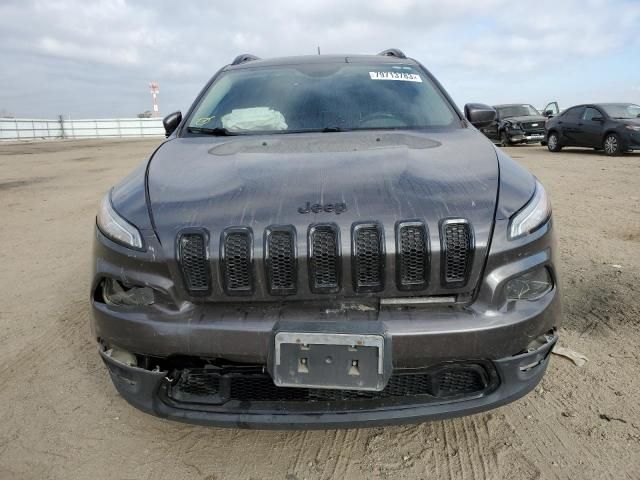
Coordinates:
516	123
611	127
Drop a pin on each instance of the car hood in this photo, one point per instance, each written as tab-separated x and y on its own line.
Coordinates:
383	176
526	118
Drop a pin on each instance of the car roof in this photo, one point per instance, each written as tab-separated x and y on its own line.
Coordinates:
323	59
607	104
610	104
512	105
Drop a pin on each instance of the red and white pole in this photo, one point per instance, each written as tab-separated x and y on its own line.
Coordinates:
155	90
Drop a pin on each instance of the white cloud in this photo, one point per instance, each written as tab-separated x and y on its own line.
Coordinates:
123	44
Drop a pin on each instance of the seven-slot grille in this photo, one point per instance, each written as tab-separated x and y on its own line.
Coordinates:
236	250
367	257
324	258
192	252
456	243
280	260
412	255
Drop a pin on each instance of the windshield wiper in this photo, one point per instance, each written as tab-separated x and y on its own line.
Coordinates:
331	129
219	132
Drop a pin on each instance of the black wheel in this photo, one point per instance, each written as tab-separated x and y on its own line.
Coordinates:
611	145
504	140
553	142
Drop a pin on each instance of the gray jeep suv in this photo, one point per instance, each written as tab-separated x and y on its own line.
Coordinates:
322	242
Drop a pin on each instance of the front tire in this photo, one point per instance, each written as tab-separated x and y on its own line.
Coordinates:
553	142
611	145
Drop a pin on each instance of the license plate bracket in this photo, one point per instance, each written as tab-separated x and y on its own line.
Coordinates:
349	361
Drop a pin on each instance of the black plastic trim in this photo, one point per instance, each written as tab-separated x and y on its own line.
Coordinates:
223	261
355	260
393	52
243	58
443	256
290	229
313	228
196	292
399	255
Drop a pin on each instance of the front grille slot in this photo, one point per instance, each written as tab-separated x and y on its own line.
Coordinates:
213	386
324	258
368	257
280	260
192	256
236	255
457	249
529	126
412	255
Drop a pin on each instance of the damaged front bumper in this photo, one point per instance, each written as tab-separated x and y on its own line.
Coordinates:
508	379
516	137
212	362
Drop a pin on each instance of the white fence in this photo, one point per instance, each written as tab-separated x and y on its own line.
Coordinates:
27	128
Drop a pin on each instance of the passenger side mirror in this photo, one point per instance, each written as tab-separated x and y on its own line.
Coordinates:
171	122
597	119
480	115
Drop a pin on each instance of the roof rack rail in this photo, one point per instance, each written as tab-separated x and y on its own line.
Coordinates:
393	52
245	57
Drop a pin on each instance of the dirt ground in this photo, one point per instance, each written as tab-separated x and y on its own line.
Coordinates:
60	417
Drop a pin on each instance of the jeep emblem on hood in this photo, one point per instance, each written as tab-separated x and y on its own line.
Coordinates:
327	207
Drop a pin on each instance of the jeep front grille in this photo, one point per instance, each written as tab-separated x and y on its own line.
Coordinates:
457	251
192	256
324	258
236	255
412	255
280	260
278	270
368	257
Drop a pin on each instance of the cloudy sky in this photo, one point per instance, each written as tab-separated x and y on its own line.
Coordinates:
93	59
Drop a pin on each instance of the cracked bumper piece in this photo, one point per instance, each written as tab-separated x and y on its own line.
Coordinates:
412	395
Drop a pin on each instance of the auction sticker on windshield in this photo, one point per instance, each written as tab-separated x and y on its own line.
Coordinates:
405	77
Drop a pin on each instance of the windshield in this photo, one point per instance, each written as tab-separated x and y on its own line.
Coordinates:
517	111
321	97
622	110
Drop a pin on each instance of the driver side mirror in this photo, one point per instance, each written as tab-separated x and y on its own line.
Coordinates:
597	119
480	115
171	122
548	113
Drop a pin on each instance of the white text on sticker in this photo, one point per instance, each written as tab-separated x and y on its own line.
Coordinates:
404	77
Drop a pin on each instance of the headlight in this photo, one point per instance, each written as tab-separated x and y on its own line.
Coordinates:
532	216
529	286
514	126
115	227
633	127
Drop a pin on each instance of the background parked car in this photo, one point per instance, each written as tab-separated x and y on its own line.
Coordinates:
516	123
612	127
